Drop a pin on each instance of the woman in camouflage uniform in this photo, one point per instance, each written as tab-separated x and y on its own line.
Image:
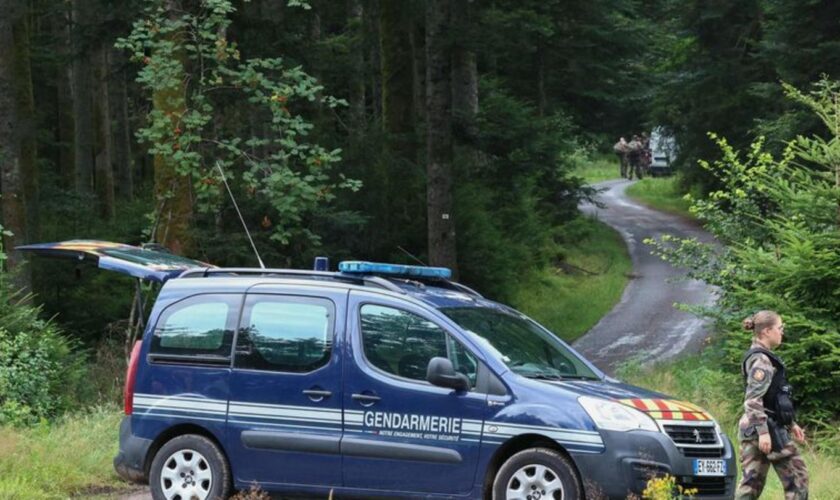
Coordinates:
768	422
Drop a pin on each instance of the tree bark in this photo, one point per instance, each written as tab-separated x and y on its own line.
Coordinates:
397	78
464	74
355	23
64	99
441	219
104	180
417	37
11	150
123	158
82	102
25	124
173	192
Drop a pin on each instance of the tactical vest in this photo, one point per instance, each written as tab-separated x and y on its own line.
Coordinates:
777	400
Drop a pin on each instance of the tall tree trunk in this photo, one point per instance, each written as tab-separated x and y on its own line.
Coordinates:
371	21
25	123
102	151
123	158
355	23
441	219
417	37
173	192
82	103
464	74
11	150
64	98
397	78
542	100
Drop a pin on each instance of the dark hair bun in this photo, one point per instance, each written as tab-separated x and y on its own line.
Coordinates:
749	324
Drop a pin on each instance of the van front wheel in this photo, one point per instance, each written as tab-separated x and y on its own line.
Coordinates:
189	467
537	474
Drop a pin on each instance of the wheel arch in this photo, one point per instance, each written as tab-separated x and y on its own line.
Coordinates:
180	430
513	446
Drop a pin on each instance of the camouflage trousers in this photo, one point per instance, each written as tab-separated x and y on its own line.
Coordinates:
788	464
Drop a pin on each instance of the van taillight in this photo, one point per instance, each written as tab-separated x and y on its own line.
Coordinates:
130	375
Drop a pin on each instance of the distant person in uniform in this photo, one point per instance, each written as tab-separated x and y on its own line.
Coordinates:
768	423
634	157
621	148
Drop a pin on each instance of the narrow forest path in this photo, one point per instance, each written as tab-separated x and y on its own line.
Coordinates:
645	324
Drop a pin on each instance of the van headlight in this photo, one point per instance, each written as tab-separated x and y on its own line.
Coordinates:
612	416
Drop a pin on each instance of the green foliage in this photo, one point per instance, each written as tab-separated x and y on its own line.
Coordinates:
662	193
778	220
277	166
40	369
513	196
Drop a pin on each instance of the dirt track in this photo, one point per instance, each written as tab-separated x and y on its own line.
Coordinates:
644	323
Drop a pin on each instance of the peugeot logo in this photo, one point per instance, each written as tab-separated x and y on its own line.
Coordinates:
697	438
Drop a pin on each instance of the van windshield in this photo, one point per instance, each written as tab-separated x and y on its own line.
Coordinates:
524	346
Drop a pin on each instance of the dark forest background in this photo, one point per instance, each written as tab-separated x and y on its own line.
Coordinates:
441	131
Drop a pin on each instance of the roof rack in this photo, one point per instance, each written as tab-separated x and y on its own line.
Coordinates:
304	273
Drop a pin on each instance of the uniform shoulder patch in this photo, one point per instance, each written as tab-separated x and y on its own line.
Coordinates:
759	374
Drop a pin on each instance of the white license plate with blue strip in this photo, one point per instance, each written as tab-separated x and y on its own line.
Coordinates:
709	467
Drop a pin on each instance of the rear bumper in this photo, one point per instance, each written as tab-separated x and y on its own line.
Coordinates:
631	458
130	461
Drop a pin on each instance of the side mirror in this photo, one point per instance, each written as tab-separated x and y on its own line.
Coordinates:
441	373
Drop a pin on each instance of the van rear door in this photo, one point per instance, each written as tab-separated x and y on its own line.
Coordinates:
152	264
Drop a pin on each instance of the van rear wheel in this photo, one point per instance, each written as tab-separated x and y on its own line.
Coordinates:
537	474
189	467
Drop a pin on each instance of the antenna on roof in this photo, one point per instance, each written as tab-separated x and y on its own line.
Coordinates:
412	256
222	172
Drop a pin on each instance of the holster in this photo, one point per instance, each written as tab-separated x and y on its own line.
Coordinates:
779	435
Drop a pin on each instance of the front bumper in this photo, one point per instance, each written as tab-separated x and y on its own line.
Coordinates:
130	461
632	458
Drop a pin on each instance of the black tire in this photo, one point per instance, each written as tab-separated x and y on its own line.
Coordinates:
556	465
210	459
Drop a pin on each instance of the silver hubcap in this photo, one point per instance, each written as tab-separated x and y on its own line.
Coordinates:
186	475
534	482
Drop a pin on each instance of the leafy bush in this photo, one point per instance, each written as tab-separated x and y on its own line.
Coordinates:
778	220
40	370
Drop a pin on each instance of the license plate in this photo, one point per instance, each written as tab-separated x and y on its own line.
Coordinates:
707	467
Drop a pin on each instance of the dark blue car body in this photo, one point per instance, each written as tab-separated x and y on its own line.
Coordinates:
349	427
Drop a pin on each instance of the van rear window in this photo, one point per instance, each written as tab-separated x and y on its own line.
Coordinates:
199	325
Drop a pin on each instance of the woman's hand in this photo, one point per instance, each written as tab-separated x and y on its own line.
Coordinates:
764	443
798	434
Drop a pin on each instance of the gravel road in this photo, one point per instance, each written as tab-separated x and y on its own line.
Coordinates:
645	324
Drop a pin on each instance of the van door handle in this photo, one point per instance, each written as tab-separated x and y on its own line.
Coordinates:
317	394
366	398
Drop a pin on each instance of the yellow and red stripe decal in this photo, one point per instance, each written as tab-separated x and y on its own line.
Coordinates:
667	409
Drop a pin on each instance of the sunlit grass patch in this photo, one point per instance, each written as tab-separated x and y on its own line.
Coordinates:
63	459
598	167
661	193
571	298
700	380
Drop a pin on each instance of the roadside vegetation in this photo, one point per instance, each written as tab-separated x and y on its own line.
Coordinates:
597	167
666	194
700	379
571	296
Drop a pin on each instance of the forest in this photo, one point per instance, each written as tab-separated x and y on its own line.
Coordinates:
444	132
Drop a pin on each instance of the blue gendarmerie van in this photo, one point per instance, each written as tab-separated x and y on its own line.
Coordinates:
380	380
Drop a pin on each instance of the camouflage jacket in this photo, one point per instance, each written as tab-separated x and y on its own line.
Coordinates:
760	371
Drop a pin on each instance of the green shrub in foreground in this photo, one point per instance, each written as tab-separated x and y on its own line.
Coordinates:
779	225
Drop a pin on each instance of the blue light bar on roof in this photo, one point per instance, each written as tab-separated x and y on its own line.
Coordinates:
360	267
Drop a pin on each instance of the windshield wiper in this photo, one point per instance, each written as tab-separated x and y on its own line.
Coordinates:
543	376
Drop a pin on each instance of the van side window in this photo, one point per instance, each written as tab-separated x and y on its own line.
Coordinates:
285	333
199	325
402	343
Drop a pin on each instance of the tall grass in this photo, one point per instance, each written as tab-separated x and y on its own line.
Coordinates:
662	193
570	298
597	167
72	456
697	379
